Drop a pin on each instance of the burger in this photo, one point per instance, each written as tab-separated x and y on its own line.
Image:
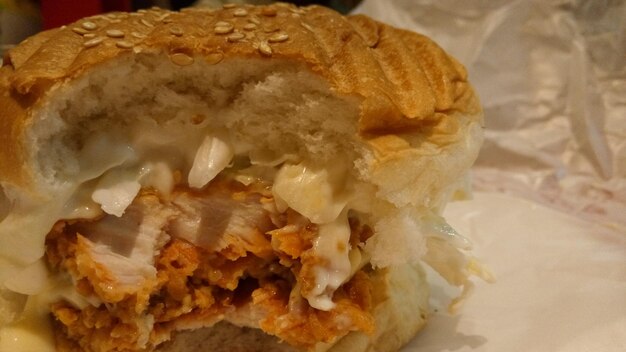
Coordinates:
239	179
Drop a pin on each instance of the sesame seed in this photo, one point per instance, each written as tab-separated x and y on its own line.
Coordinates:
265	49
181	59
240	13
115	21
111	16
63	27
278	38
268	11
146	23
271	29
93	42
214	58
177	31
135	14
223	24
223	30
254	20
90	26
249	26
297	11
124	44
79	31
138	35
229	6
115	33
142	11
235	37
164	17
306	26
89	35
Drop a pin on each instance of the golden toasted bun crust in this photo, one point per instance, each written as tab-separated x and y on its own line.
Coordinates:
400	299
404	80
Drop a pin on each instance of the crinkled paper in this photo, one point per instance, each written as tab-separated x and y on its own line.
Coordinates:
549	217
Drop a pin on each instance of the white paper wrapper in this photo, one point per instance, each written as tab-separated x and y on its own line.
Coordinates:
561	283
552	80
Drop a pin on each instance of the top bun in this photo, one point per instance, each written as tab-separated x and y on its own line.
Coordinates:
400	82
280	82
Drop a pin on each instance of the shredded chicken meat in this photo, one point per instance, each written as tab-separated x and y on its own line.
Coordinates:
192	260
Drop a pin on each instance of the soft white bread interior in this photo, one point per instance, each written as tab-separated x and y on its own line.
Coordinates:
355	116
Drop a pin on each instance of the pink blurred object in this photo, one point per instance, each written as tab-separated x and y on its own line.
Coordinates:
56	13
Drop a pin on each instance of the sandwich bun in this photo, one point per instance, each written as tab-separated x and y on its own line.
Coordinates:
347	118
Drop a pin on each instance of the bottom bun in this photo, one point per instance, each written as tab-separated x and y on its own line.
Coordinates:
400	306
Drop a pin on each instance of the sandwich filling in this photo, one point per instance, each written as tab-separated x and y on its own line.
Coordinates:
199	257
152	250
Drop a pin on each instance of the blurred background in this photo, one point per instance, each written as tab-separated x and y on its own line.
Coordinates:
22	18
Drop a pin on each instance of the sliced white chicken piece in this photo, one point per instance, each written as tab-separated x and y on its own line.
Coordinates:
222	218
116	254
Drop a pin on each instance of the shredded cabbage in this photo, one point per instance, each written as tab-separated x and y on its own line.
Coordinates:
101	153
455	267
312	192
434	225
212	157
115	191
158	175
31	280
